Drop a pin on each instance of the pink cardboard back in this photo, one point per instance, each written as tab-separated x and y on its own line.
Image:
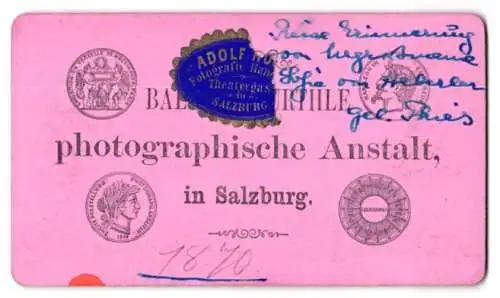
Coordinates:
248	149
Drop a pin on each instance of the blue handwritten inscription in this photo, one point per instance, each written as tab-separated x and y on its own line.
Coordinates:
399	52
286	54
420	79
451	32
354	83
293	76
286	32
412	111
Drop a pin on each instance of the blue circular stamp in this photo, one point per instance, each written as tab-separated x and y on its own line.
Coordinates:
225	80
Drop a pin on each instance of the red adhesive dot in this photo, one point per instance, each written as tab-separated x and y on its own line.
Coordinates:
86	280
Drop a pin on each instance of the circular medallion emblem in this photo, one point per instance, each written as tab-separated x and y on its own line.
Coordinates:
102	83
121	207
392	85
374	209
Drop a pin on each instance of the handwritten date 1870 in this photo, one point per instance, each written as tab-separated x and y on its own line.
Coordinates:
196	259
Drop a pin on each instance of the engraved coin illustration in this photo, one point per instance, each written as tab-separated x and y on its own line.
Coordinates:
102	83
374	209
121	207
393	85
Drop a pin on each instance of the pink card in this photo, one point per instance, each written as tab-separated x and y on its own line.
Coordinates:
248	149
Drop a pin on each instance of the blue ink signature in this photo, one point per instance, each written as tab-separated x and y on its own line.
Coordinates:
291	75
178	278
399	52
420	112
420	79
465	47
283	25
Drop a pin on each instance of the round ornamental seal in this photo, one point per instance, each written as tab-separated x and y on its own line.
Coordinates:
391	84
374	209
121	207
101	83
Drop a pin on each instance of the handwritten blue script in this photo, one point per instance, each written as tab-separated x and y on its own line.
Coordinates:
420	79
399	52
286	32
286	54
293	76
412	111
452	32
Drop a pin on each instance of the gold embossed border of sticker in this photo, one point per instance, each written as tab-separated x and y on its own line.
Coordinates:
194	44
